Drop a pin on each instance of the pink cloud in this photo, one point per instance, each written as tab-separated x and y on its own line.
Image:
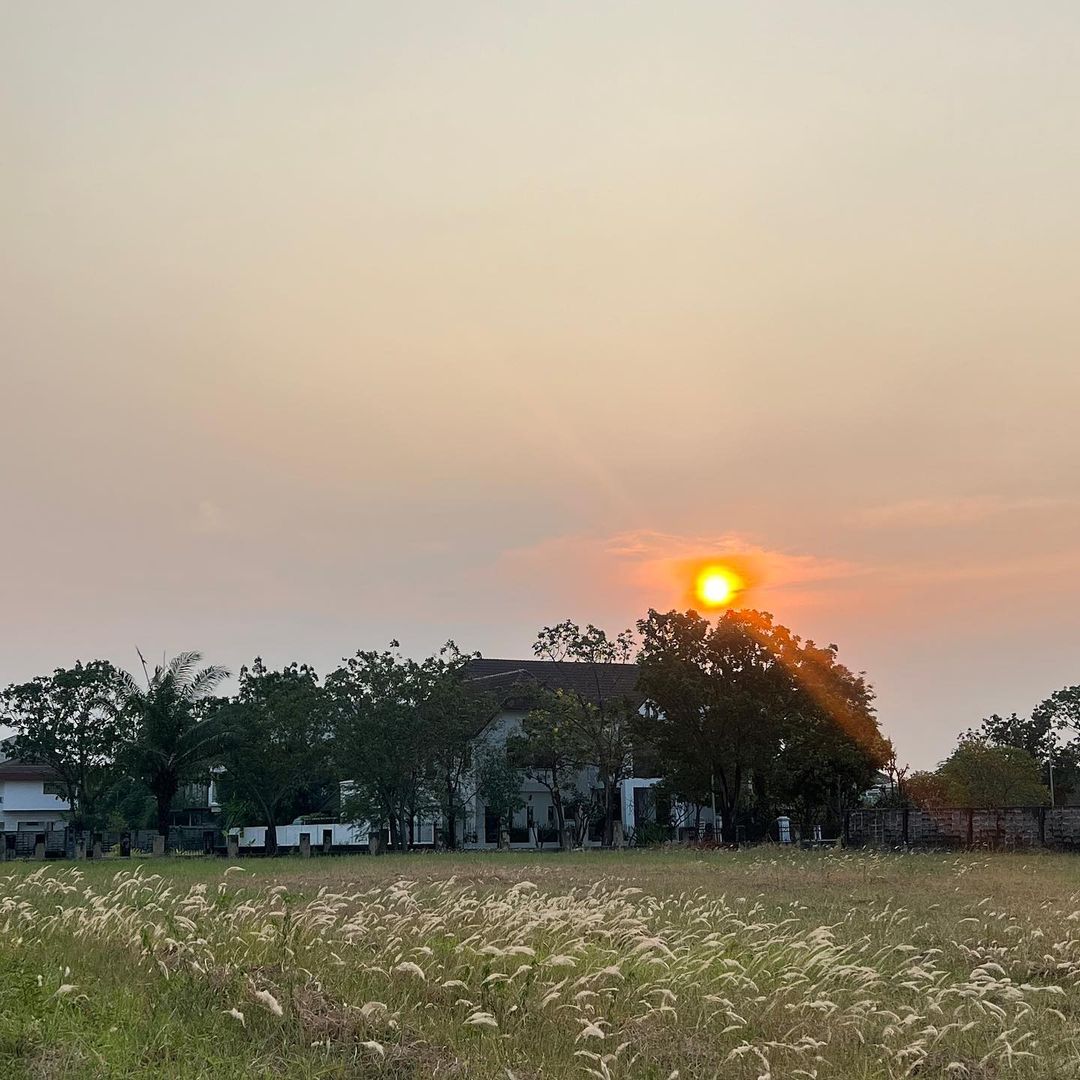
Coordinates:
629	572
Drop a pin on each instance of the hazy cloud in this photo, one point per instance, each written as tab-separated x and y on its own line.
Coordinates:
944	513
209	519
647	568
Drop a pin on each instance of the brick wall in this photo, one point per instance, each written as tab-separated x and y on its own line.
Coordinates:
1007	827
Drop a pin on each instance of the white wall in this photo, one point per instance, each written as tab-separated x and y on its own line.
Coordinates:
288	836
27	795
33	820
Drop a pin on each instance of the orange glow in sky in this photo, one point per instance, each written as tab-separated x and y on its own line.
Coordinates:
717	586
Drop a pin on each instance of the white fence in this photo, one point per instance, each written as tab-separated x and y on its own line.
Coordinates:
253	837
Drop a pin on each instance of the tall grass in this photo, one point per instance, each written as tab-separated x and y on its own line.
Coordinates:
759	966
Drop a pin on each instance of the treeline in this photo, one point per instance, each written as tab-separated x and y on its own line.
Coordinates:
1013	760
735	712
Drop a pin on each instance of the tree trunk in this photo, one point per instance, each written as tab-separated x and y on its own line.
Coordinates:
609	812
560	816
164	797
451	815
400	839
394	835
729	803
270	845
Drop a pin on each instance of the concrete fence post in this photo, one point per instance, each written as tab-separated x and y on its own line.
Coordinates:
232	845
39	847
159	844
305	845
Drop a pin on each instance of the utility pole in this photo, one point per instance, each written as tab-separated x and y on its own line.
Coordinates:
1052	785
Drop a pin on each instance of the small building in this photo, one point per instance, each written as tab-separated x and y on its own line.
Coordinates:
31	798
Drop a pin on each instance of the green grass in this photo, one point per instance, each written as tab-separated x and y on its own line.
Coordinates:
762	964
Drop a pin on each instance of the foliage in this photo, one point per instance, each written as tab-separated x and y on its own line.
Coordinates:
926	790
454	714
376	702
980	775
128	804
1062	708
551	750
831	746
1036	735
743	702
599	723
175	735
275	747
1042	735
71	721
498	783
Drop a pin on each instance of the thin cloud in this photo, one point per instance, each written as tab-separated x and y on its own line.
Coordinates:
634	570
946	513
209	519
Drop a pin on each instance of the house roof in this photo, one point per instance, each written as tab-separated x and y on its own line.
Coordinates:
594	682
24	770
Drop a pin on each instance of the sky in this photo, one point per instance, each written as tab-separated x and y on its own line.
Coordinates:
322	326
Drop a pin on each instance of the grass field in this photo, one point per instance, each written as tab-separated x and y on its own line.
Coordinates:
760	965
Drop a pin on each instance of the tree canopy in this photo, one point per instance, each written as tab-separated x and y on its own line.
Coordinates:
983	776
174	736
741	707
275	744
73	721
597	723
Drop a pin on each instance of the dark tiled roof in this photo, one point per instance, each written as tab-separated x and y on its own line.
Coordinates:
595	682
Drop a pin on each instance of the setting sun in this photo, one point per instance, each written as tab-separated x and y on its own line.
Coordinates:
717	586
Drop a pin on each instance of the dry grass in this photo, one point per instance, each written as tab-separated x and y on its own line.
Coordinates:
752	966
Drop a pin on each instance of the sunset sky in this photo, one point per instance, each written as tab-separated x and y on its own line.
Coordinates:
326	324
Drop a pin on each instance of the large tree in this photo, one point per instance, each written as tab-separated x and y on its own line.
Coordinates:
742	704
981	775
72	721
1062	708
831	747
275	748
454	713
1049	735
551	750
175	734
598	713
498	782
719	697
376	702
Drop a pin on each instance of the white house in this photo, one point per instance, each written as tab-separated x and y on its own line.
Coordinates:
30	798
513	681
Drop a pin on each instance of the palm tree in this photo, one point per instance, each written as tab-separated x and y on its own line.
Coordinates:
173	736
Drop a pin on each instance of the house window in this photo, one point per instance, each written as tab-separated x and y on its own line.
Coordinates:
53	787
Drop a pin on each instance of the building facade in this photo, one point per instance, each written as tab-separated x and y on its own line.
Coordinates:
30	798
